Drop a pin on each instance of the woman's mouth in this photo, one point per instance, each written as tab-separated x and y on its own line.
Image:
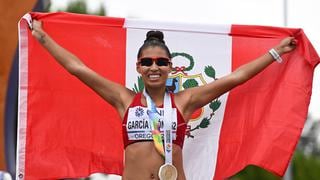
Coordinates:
154	76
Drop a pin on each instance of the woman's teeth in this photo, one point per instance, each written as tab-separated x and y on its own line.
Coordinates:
154	76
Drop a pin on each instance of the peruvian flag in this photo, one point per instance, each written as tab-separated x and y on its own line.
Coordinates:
66	130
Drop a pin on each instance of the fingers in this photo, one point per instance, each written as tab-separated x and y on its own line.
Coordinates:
36	23
37	31
294	42
286	45
37	28
289	41
290	44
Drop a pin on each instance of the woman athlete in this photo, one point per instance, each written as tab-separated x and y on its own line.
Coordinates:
142	160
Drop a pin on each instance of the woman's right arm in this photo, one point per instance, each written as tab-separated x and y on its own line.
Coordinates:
115	94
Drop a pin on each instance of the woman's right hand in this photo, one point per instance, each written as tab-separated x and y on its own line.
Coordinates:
37	30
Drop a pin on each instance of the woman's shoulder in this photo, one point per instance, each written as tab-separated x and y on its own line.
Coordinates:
184	94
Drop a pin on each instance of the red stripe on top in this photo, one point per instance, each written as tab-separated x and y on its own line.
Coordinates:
264	117
72	132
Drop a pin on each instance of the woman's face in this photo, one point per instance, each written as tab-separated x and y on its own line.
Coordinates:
154	73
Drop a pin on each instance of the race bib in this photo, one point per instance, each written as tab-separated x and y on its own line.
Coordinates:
139	126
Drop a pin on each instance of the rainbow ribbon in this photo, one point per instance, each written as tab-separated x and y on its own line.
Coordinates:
154	117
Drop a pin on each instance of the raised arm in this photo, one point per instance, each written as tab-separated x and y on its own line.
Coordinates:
194	98
115	94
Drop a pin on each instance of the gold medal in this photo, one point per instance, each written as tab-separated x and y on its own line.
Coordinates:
168	172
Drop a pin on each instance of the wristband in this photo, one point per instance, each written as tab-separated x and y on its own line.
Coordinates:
275	55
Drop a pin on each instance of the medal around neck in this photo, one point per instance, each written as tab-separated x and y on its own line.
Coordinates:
168	172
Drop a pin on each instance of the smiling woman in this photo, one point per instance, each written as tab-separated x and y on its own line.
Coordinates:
154	65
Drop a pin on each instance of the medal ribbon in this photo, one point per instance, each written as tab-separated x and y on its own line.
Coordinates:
154	117
167	128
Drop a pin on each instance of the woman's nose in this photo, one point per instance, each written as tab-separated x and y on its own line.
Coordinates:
154	66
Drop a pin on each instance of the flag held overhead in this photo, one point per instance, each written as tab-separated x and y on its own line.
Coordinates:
67	131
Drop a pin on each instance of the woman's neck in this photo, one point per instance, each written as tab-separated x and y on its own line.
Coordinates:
156	94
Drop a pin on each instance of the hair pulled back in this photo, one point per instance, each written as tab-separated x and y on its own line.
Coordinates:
154	39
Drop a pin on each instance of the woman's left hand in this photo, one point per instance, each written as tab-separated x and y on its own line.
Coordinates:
286	45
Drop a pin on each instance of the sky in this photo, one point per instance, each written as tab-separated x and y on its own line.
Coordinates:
300	14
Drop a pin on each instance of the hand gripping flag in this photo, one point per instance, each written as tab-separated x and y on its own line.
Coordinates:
66	130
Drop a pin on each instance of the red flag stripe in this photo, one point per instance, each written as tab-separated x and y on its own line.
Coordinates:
69	145
269	114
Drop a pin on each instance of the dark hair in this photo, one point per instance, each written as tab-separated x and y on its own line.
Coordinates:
153	39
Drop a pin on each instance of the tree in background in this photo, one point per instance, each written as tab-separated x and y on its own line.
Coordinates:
303	167
255	173
77	7
80	7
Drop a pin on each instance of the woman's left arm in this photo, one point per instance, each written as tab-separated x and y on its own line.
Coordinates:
194	98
